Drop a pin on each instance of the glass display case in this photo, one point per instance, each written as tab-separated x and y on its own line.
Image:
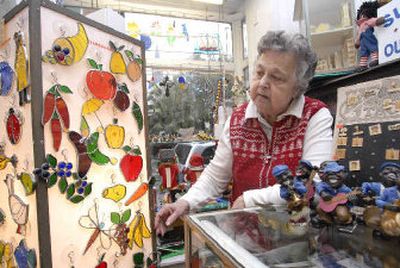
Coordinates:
267	237
330	26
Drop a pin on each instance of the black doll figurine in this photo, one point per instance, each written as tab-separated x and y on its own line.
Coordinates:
385	217
372	190
390	173
290	190
334	195
366	41
305	173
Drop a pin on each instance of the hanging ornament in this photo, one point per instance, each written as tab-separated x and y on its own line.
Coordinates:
101	84
14	122
102	263
27	180
68	50
121	230
115	135
93	150
91	107
138	230
18	208
139	192
84	128
55	110
24	256
117	63
166	84
4	160
146	40
121	100
181	82
115	193
155	28
217	101
6	258
134	68
21	69
91	222
138	259
185	31
132	163
2	218
133	29
138	115
83	161
171	35
60	173
6	78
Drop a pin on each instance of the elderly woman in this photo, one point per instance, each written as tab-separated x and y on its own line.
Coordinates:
279	125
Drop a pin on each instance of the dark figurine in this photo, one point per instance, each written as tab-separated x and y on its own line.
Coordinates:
366	41
372	190
305	173
334	195
389	200
290	190
382	217
390	173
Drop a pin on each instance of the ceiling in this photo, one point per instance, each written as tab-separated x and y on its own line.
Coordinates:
230	10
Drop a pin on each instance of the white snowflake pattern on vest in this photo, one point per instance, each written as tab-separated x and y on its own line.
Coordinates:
299	144
245	146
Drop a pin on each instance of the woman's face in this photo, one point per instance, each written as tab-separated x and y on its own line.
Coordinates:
273	85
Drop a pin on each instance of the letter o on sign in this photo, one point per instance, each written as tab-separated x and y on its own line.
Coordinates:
389	50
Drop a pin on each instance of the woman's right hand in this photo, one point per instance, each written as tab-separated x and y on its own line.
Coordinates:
168	214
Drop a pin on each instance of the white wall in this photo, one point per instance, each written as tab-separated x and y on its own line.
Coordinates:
266	15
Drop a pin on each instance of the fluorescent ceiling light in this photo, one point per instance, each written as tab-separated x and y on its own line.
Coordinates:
214	2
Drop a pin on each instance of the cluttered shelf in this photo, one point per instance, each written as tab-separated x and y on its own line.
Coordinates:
326	84
334	37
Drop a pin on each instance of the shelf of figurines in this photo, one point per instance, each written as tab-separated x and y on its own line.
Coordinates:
324	222
325	83
332	202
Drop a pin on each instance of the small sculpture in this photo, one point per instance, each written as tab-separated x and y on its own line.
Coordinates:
195	168
372	190
294	193
334	203
389	199
305	173
169	171
290	190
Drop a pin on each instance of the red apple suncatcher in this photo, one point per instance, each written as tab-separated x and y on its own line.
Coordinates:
132	163
100	83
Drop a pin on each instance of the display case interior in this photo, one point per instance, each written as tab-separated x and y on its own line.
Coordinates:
267	237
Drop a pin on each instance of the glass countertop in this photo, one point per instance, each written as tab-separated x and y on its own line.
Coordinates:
261	237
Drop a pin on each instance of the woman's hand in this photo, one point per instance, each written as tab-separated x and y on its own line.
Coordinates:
168	215
239	202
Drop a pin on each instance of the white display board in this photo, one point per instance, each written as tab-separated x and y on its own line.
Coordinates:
69	238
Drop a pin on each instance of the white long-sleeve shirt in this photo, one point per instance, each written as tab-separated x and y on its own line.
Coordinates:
217	175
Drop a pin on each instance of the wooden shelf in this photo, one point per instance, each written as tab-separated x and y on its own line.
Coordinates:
331	38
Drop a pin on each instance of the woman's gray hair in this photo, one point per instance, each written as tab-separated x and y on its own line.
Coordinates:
297	44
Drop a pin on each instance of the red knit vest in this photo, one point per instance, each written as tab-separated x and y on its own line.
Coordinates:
254	155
